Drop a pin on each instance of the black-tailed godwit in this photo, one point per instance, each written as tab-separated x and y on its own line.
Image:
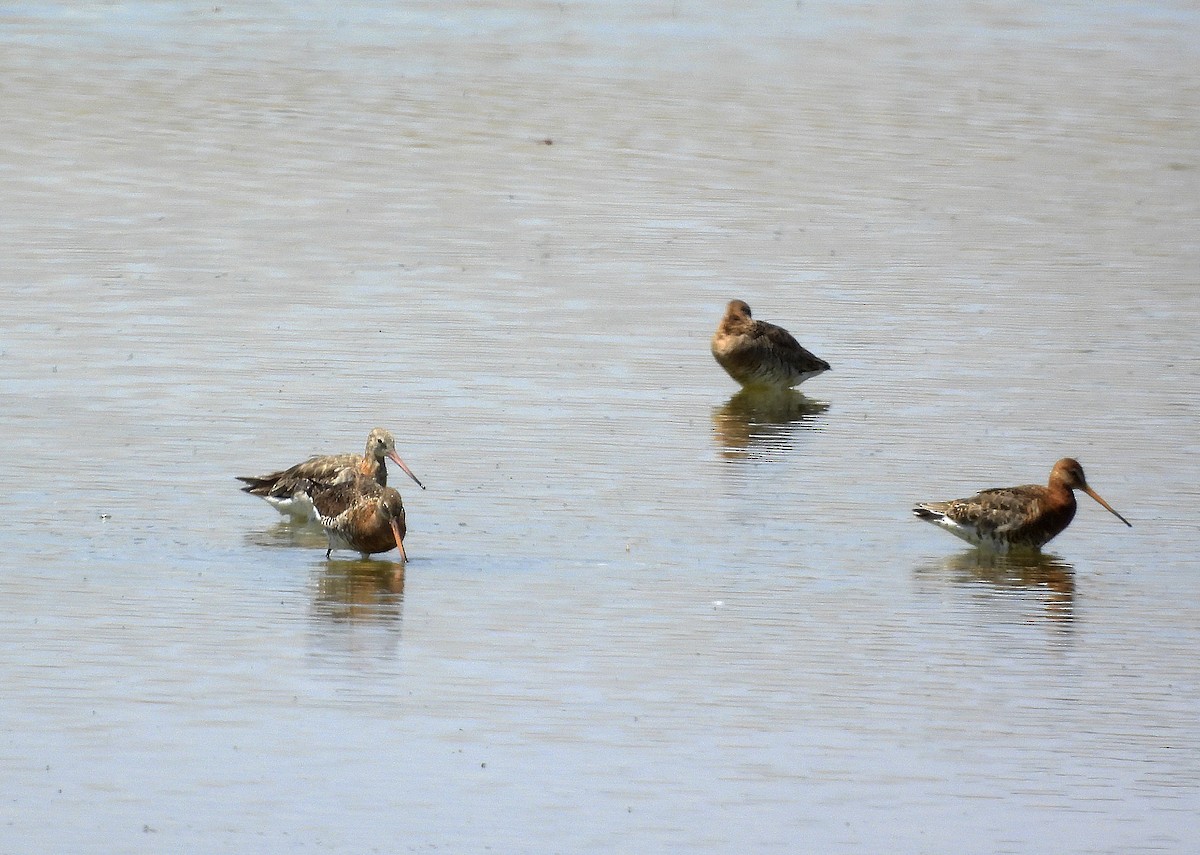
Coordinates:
1015	517
360	514
285	490
759	354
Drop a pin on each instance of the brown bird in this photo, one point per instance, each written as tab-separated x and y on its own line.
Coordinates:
759	354
360	514
286	491
1015	517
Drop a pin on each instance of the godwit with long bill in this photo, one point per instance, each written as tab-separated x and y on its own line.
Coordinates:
1025	517
288	489
360	514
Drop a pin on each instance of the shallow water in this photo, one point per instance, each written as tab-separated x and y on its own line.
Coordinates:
642	613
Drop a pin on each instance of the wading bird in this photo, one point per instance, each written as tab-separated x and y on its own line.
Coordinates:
1015	517
759	354
286	491
360	514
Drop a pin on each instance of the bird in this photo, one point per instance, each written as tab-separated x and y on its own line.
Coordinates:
1025	517
285	490
359	514
759	354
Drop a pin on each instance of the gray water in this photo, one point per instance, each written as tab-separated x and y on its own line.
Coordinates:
641	614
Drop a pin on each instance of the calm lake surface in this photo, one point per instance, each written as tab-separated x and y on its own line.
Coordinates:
642	614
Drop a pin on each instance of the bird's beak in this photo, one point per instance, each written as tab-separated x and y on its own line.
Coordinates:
1106	505
400	540
395	458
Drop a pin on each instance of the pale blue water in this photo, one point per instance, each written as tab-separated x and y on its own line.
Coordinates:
638	616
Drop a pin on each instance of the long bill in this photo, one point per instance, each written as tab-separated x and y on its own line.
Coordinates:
395	458
1106	505
400	540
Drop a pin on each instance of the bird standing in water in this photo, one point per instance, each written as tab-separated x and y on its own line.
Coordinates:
286	490
360	514
1015	517
759	354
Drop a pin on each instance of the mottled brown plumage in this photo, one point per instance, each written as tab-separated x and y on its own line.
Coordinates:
1025	517
756	353
285	490
360	514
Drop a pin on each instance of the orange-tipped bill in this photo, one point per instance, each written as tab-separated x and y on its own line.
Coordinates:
395	458
1106	505
400	540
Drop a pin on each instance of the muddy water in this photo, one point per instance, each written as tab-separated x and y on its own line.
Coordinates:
642	613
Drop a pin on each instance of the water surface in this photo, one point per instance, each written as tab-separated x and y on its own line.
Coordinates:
643	613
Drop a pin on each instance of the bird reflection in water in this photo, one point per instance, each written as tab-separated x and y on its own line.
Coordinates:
1050	579
360	591
289	534
757	424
